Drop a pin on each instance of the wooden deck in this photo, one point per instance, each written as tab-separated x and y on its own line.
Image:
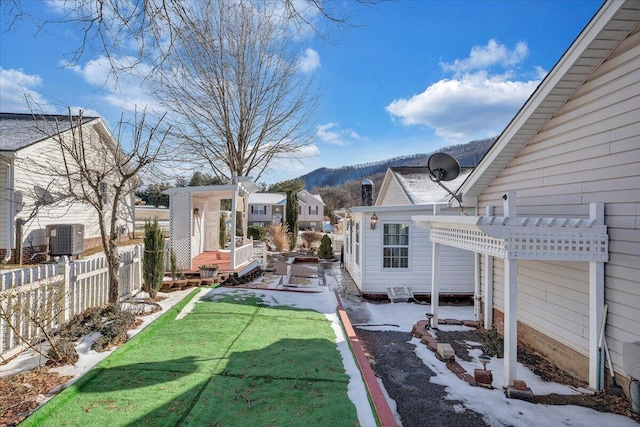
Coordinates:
222	258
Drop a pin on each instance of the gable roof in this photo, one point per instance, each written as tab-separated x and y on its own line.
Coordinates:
418	186
267	198
18	131
611	25
317	197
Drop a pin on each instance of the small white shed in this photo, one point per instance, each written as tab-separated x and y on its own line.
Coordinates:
393	251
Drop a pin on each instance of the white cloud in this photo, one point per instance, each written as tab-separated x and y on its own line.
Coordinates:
331	133
482	57
478	101
123	90
475	106
309	61
18	92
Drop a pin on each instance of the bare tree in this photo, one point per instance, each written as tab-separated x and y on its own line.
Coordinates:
148	28
100	173
234	88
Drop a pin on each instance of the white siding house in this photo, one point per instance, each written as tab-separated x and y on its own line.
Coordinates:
398	252
266	208
568	163
32	189
270	208
311	211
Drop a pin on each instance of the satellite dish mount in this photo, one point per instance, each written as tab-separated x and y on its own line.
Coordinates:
443	167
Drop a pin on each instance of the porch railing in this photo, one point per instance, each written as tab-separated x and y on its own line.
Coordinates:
243	255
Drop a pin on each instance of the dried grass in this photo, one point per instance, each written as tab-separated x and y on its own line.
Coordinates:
279	236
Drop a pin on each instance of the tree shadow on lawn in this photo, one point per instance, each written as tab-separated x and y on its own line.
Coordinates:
267	373
291	382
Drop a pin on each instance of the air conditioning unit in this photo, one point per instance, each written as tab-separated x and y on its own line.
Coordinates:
631	359
65	239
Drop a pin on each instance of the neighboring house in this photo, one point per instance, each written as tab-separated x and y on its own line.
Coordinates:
558	199
32	189
270	208
311	211
397	252
266	208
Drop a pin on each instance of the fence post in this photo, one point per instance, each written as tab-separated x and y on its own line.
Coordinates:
138	260
64	310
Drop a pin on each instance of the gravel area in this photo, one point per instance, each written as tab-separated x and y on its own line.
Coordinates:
406	378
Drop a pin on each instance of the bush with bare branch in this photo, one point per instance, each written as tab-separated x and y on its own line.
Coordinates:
311	239
32	317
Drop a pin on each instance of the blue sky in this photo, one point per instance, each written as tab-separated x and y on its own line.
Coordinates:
406	77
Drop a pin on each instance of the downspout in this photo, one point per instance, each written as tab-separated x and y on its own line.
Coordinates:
10	210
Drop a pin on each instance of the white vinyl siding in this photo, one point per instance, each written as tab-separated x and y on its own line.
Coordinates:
394	195
3	205
457	266
588	152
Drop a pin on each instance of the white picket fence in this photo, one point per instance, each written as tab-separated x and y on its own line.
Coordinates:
54	293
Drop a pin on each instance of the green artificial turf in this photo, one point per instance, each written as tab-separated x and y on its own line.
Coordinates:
233	361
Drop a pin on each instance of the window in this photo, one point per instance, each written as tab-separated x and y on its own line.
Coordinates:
395	246
313	210
358	243
259	210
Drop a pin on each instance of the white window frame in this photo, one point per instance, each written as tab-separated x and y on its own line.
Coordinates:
259	210
357	243
396	245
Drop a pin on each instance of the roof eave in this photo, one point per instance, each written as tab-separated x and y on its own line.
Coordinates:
495	160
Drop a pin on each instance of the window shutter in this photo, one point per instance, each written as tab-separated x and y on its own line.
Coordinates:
265	209
251	208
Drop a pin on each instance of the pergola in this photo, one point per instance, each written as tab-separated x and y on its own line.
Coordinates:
204	202
513	238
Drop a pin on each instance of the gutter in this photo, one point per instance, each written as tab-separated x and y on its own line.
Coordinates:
10	209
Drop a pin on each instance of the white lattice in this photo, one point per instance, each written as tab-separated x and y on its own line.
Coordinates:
180	228
468	239
558	244
559	239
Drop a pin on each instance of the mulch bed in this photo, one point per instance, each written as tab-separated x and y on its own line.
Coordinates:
22	393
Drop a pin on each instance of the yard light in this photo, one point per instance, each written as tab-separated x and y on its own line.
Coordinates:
374	221
484	359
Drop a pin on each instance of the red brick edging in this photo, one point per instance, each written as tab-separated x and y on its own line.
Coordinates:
381	407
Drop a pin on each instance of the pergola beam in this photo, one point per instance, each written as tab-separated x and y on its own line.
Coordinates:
513	238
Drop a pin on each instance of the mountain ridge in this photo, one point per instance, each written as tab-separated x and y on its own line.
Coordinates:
468	154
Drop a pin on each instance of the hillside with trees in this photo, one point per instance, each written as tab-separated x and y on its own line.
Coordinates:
468	154
346	192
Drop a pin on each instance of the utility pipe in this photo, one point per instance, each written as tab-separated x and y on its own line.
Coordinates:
10	210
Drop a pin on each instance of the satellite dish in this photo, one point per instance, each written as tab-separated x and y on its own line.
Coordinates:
43	196
443	167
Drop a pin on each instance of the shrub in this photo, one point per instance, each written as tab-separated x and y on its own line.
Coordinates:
114	332
325	251
279	235
153	259
310	239
62	352
257	232
493	345
222	237
173	262
291	217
